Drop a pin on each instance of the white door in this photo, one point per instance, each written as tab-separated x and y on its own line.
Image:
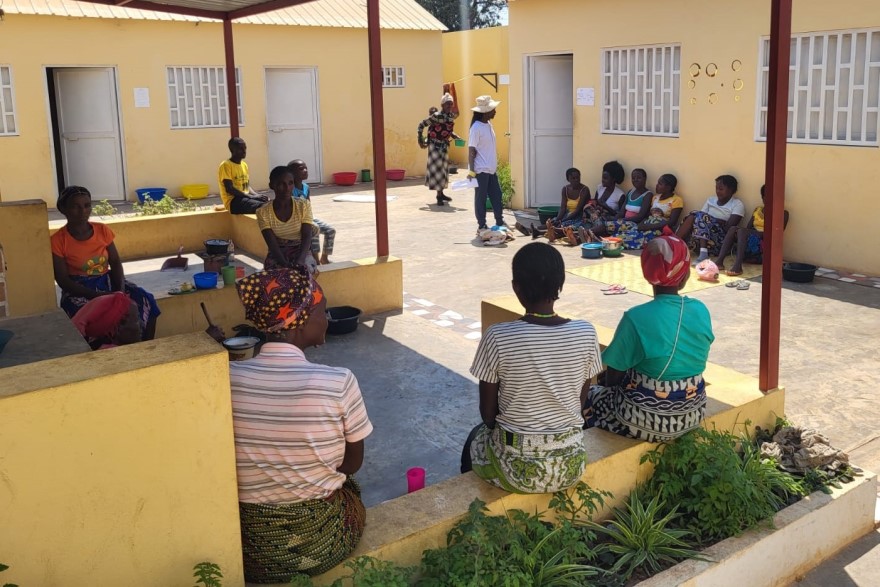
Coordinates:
550	127
292	118
88	121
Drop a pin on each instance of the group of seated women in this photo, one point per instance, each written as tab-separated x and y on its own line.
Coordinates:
639	215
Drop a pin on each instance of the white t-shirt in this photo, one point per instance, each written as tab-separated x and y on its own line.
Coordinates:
541	370
613	200
482	138
733	207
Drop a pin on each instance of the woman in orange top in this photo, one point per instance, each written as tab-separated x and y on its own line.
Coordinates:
87	265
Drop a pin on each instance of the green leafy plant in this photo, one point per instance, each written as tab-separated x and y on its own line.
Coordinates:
718	493
578	503
517	549
3	568
207	574
507	184
367	571
167	205
641	538
104	208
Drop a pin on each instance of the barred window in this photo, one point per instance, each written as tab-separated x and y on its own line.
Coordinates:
393	77
834	88
197	96
641	90
8	124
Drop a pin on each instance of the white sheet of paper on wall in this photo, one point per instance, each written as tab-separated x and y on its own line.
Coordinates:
504	79
142	97
586	97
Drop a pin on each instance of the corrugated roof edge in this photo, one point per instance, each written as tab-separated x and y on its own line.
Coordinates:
421	18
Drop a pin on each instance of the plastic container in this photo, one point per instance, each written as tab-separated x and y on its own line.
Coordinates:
546	213
228	275
345	178
395	174
612	252
460	142
798	272
205	280
342	319
415	479
612	246
365	175
194	191
241	347
155	194
591	250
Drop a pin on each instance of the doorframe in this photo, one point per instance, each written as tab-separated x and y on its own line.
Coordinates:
53	146
317	103
528	163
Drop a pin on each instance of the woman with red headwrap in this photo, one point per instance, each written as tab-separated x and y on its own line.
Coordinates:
299	436
653	387
108	321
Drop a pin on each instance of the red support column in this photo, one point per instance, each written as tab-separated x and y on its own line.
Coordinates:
378	113
231	96
777	135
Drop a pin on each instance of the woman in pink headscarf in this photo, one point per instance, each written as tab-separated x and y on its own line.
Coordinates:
653	387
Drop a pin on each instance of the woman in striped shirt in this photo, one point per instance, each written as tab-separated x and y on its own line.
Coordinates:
531	438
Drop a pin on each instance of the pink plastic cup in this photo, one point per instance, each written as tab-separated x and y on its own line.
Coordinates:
415	479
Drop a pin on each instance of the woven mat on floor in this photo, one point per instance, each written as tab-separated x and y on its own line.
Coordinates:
627	271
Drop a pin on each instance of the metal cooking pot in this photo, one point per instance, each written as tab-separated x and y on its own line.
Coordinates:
216	246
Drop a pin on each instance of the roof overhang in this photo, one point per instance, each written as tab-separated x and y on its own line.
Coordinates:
220	10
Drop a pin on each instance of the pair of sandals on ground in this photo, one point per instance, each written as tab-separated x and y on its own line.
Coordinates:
583	235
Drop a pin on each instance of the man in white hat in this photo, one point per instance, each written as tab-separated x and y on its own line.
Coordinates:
440	131
483	161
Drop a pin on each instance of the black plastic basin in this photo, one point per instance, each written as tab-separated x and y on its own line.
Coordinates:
342	319
798	272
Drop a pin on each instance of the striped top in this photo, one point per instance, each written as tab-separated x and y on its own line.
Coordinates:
290	230
541	370
291	420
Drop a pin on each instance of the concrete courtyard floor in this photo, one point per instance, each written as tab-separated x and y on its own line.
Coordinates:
413	365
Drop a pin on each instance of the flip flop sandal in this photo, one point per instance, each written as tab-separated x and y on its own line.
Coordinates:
616	292
613	287
732	283
743	285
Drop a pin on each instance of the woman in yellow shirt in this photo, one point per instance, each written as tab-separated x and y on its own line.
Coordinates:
286	224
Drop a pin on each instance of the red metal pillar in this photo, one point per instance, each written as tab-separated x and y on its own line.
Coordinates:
777	135
378	113
231	95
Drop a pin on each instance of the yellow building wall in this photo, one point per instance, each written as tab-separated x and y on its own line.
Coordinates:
118	468
826	185
157	155
478	51
24	234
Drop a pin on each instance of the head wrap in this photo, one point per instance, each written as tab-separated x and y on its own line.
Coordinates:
447	97
666	260
102	315
279	299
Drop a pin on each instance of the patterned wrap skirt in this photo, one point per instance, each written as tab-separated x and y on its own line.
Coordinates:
437	173
529	463
290	249
628	231
310	537
711	229
646	409
146	303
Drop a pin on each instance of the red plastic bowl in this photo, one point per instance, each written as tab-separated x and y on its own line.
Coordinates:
345	178
395	174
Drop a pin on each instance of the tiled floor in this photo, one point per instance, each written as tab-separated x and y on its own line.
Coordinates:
440	316
856	278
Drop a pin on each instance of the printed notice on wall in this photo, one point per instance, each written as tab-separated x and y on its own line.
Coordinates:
586	97
142	97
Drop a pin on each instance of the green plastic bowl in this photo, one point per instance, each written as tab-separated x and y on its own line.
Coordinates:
545	213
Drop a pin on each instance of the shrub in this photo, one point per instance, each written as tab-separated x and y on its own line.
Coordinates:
104	208
507	184
207	574
167	205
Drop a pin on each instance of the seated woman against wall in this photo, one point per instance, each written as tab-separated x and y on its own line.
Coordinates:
749	241
653	387
286	223
719	214
609	196
664	208
534	374
299	436
87	265
572	214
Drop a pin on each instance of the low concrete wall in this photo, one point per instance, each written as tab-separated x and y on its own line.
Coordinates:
374	285
25	239
118	467
401	529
